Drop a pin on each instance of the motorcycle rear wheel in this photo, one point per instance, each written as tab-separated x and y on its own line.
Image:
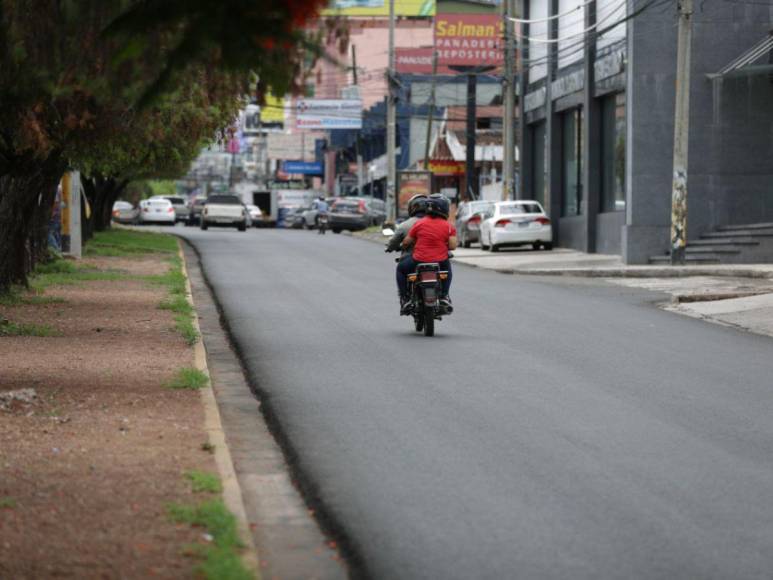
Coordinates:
429	323
418	321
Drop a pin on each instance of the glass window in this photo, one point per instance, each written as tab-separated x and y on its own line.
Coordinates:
539	169
571	174
613	153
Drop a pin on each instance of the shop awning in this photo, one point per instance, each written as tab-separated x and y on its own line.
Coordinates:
744	65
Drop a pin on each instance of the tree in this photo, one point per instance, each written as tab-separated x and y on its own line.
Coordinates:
68	89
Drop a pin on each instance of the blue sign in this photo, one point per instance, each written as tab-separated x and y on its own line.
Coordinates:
302	167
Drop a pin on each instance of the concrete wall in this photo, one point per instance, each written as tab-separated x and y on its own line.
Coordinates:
730	171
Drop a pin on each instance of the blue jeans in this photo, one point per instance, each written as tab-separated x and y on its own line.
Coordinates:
408	265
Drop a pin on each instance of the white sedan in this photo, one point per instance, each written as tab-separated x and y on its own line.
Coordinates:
516	223
157	210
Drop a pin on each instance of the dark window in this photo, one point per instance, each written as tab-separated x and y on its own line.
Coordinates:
613	153
539	168
571	174
224	200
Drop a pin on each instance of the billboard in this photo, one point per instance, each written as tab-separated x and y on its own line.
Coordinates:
323	114
418	61
302	168
379	8
469	39
412	183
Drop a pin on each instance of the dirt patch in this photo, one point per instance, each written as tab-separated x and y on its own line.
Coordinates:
88	467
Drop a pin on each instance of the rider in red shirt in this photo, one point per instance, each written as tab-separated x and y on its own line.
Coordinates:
431	237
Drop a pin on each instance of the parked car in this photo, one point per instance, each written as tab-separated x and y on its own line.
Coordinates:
295	218
125	213
181	210
468	218
194	211
516	223
157	210
224	210
356	213
255	214
311	214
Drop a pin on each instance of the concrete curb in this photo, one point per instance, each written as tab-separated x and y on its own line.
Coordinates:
232	492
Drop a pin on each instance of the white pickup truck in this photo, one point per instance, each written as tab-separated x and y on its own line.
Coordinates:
224	210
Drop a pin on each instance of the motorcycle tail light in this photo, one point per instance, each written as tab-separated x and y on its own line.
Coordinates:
444	275
428	277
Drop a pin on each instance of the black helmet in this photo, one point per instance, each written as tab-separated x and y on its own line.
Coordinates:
438	204
417	204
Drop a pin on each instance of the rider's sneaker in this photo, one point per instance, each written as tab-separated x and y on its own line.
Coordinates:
445	304
405	306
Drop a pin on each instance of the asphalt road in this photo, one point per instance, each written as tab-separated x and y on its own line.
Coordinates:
551	429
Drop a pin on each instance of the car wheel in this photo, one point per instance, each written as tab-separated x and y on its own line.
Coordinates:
494	248
482	245
547	245
242	227
536	246
336	230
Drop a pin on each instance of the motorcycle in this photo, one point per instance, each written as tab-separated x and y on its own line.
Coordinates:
425	289
322	223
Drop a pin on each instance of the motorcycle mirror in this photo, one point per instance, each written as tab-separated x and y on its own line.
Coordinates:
388	232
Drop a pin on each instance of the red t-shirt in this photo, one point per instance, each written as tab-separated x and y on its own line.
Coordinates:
431	239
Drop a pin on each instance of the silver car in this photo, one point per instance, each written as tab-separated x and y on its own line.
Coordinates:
469	216
125	213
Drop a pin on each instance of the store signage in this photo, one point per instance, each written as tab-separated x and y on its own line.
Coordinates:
379	8
534	99
568	84
412	183
418	61
325	114
446	167
302	168
610	65
469	39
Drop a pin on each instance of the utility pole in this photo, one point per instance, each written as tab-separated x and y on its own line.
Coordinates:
469	172
431	110
391	197
508	86
358	139
681	134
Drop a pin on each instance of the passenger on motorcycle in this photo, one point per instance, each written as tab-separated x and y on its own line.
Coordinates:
417	209
431	238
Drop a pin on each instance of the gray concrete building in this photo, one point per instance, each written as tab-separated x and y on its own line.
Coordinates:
598	123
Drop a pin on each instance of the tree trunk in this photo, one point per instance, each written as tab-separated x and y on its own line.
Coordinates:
27	190
107	207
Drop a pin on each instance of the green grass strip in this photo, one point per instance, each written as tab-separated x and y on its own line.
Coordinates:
188	378
120	242
17	297
7	503
221	557
9	328
201	481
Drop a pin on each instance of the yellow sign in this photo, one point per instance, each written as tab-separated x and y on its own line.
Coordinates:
274	110
379	8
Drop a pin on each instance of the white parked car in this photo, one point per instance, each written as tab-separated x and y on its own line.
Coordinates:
157	210
224	210
255	214
515	223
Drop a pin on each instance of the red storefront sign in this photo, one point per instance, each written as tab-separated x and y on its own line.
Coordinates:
469	39
417	61
444	167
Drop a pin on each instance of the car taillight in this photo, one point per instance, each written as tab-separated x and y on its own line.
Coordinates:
116	213
428	277
170	210
542	221
361	208
474	220
502	223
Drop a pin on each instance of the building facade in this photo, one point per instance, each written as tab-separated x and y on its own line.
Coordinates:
598	120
